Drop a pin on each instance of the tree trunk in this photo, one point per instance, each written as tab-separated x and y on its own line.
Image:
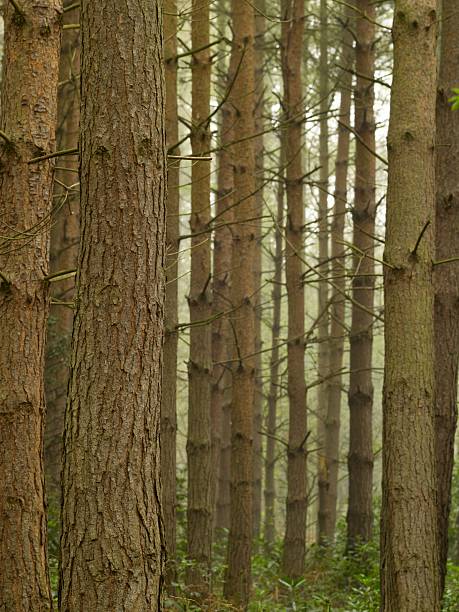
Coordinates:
112	540
199	511
65	233
295	529
409	550
169	384
238	577
338	275
271	428
360	459
28	120
446	276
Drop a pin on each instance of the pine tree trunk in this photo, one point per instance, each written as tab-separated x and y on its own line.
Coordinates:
271	429
65	233
28	120
238	576
360	459
169	384
409	550
295	530
446	276
112	540
199	511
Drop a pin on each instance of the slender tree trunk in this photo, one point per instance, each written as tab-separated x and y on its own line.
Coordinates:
238	577
169	384
260	27
270	460
446	276
338	274
199	512
295	531
112	542
409	550
28	120
360	459
65	232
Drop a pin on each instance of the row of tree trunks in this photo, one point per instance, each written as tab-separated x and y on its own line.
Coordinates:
112	546
28	122
294	548
360	458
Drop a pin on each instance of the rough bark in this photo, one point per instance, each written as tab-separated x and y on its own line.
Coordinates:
360	458
409	550
28	119
238	577
446	276
338	275
294	548
273	395
169	384
199	511
112	542
64	251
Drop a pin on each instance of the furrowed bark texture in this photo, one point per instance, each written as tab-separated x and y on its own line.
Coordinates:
199	511
295	527
446	276
65	233
238	577
360	458
169	384
409	550
112	537
28	118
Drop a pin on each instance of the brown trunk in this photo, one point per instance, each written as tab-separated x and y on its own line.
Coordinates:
238	577
28	120
199	511
64	251
260	27
409	550
112	543
295	531
360	459
270	460
338	275
169	384
446	276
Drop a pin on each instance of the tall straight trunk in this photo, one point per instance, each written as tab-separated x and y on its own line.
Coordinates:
238	577
64	252
409	549
199	511
28	120
112	543
338	275
295	527
260	27
270	458
446	276
221	301
360	459
169	384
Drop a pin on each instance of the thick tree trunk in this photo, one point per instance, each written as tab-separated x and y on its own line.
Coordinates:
65	233
446	276
238	577
295	529
199	511
112	542
169	384
409	550
28	120
360	459
270	458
